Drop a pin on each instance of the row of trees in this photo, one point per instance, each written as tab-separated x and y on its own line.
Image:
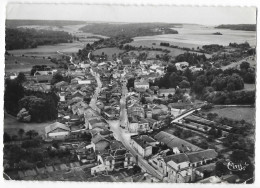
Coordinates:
165	44
191	58
212	48
39	68
29	134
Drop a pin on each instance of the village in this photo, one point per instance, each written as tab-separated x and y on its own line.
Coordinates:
110	128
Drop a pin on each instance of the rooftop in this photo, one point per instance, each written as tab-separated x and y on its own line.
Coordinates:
56	125
143	140
172	141
98	138
178	158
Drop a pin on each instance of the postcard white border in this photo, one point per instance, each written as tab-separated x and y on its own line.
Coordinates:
21	184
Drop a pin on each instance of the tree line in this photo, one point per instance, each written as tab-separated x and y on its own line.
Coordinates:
41	106
31	38
243	27
129	30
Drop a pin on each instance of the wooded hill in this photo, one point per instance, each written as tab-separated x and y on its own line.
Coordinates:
31	38
130	29
243	27
57	23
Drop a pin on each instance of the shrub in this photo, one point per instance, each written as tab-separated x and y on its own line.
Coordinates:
30	144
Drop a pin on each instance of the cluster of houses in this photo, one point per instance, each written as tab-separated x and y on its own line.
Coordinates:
114	157
76	117
178	160
144	118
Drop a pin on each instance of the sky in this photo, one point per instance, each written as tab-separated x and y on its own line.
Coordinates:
119	13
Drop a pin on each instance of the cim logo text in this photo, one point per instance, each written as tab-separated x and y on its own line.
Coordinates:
237	166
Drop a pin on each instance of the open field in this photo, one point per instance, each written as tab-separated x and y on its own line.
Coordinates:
150	54
108	51
150	43
173	51
11	125
236	113
49	50
249	87
72	29
24	64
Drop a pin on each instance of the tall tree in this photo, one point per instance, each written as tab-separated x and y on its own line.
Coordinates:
21	133
31	133
199	84
13	93
21	78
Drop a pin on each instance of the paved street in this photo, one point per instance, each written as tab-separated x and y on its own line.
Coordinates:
93	101
123	135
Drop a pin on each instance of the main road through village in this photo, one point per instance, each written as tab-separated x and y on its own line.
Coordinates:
119	127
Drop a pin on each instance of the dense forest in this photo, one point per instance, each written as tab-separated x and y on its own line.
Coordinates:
40	106
58	23
130	30
243	27
31	38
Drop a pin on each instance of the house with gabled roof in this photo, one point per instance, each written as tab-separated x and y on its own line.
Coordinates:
110	113
181	65
97	122
44	72
57	131
183	167
61	84
113	160
90	113
166	92
176	144
100	143
78	93
43	78
135	109
137	124
142	84
143	144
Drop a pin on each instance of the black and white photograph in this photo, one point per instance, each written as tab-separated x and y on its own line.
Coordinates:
133	94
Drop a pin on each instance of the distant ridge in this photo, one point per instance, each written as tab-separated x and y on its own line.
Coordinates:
12	23
58	23
243	27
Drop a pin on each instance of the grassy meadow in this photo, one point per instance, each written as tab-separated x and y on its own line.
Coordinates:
24	64
236	113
